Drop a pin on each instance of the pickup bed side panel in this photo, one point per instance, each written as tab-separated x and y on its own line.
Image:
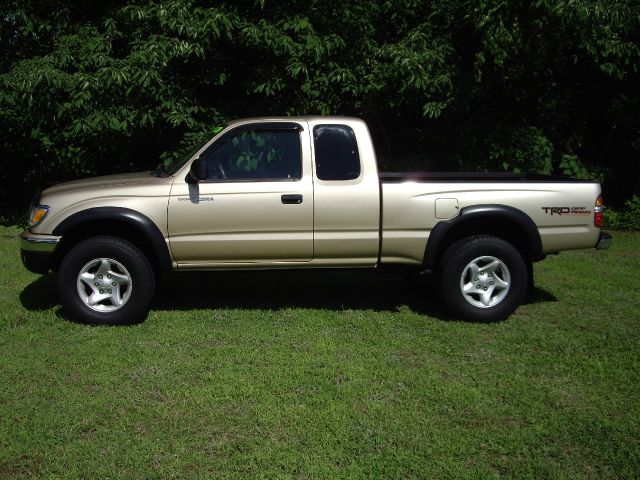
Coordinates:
563	212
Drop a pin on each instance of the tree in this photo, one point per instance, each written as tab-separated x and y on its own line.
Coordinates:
94	88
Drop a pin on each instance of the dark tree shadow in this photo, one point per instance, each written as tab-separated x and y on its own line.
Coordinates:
274	290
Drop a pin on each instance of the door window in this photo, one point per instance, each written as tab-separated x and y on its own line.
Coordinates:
260	154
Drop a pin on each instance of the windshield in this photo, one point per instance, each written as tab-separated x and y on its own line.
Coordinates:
174	167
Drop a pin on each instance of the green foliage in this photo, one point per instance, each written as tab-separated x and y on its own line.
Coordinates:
572	166
522	150
101	87
626	219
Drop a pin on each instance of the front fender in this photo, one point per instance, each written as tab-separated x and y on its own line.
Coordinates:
138	222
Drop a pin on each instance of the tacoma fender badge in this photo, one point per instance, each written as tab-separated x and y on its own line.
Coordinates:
195	199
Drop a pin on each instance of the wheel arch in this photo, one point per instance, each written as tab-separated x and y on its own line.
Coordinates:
502	221
124	223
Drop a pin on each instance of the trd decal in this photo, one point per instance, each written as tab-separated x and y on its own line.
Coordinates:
566	211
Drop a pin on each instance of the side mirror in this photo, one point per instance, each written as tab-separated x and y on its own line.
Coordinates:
198	171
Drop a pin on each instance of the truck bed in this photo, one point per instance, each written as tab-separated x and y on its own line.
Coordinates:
410	207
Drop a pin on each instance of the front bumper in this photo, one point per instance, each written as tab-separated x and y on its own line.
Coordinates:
36	251
604	241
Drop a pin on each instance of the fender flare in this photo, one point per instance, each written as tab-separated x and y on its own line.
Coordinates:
136	220
513	215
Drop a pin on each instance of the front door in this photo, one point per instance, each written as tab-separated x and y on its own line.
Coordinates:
255	206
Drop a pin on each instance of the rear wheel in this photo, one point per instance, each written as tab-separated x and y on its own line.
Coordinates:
106	280
484	278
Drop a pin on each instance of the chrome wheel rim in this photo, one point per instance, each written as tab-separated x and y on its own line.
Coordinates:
485	282
104	285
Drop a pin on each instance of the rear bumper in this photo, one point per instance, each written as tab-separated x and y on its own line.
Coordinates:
604	241
36	251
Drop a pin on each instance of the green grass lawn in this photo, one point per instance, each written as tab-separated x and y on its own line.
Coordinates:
326	375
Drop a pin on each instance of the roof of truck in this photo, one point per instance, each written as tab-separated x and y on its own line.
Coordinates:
306	118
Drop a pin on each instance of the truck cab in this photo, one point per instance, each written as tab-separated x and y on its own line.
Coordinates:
278	193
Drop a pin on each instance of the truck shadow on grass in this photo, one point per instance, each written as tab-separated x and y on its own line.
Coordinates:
275	290
314	289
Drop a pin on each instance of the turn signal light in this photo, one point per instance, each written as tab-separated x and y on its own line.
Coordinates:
37	215
597	213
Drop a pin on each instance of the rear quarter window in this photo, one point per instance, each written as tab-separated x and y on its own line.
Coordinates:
336	152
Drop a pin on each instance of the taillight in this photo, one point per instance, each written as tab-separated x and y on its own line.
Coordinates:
597	213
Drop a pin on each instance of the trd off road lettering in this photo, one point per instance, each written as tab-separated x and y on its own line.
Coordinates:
566	210
302	192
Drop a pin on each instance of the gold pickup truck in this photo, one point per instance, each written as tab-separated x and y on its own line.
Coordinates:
303	192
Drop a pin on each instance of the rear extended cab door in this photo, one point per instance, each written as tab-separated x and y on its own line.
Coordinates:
346	193
256	206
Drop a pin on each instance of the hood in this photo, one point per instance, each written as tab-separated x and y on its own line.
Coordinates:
106	181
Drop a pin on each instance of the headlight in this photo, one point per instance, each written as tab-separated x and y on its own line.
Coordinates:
37	214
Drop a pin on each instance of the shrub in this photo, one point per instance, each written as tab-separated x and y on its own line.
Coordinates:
627	219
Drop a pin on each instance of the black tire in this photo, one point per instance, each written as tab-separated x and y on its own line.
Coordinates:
128	300
483	298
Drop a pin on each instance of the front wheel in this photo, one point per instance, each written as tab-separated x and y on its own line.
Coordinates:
106	280
484	278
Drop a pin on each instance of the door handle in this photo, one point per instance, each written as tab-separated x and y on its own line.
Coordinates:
291	199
